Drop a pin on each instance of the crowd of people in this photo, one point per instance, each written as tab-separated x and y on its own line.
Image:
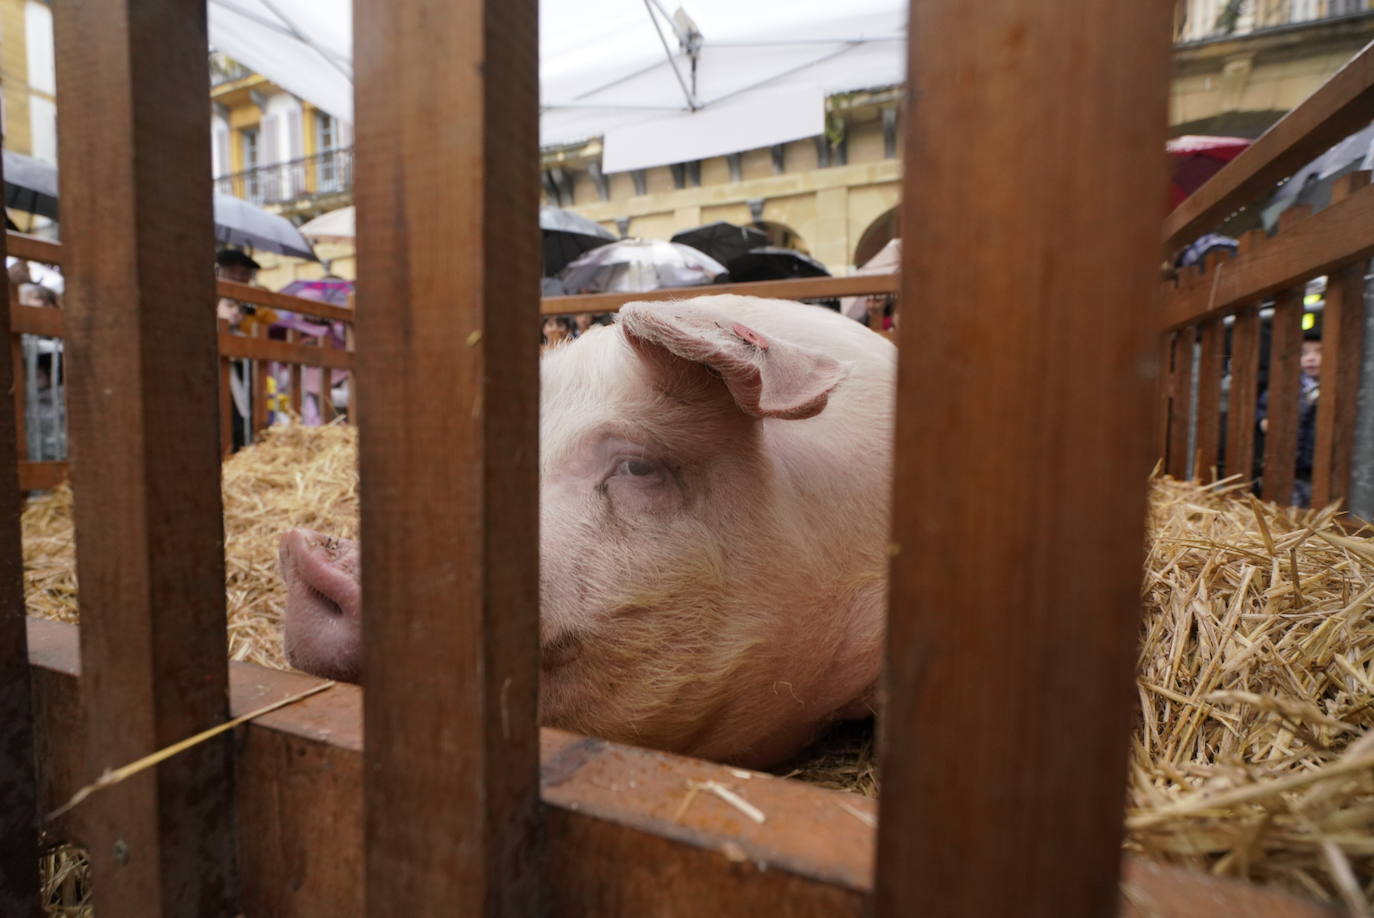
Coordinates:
260	321
557	329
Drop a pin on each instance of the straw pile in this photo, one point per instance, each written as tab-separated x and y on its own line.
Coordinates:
1252	756
295	476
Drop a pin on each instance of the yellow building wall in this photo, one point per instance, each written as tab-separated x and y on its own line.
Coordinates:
14	76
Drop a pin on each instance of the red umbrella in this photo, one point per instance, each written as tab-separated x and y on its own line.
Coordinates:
1193	160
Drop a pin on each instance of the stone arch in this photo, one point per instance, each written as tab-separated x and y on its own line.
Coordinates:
885	227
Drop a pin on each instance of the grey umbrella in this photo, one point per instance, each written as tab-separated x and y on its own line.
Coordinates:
566	236
239	223
637	265
31	185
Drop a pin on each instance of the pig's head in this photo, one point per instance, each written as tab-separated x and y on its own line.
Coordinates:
677	584
698	594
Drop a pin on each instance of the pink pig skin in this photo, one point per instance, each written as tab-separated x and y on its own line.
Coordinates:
714	478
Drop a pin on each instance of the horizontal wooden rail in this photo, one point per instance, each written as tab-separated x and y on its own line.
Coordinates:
1340	234
284	352
804	289
284	302
1343	105
42	476
625	842
51	323
34	248
49	252
37	320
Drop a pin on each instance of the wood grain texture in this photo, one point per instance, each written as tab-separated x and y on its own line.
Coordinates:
1342	350
18	788
226	395
293	339
18	395
1180	402
1242	396
1343	105
263	350
257	372
801	289
33	248
138	260
49	252
42	476
281	301
447	197
1164	381
1317	244
620	844
1281	437
1034	390
30	320
1212	338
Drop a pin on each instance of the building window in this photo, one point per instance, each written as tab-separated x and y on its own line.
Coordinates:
248	137
327	147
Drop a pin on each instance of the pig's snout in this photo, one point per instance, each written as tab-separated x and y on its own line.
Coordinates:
323	628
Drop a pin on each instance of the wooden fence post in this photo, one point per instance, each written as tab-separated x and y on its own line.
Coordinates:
138	243
18	800
1342	349
1281	400
1011	647
448	392
1241	398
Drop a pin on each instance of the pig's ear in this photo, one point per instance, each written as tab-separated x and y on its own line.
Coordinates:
767	377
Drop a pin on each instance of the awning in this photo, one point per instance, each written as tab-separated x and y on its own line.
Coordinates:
660	89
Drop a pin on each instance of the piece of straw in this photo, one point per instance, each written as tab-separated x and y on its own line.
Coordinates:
113	777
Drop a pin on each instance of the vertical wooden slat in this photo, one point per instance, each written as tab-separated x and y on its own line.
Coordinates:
1164	382
1035	393
1240	398
20	390
258	373
326	394
1342	349
139	260
1281	434
351	344
447	197
18	796
1213	339
226	398
1180	397
293	337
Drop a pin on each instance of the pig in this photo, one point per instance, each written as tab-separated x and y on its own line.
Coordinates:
714	487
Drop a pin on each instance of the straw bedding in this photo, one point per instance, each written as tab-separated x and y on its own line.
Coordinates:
1252	756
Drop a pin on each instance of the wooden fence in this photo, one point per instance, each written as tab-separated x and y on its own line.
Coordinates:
1017	513
296	352
1211	433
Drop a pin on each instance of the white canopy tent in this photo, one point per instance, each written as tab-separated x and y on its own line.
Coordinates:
724	76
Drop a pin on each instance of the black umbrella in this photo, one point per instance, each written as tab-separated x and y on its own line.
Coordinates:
769	263
722	241
567	235
30	185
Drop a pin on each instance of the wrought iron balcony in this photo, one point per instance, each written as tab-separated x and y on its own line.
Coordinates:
280	183
1209	20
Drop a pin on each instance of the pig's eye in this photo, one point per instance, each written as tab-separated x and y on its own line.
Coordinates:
635	468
